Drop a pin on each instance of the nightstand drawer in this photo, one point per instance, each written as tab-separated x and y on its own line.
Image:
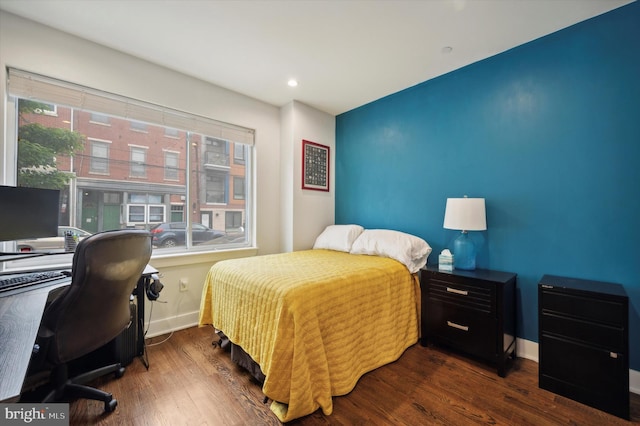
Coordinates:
463	295
603	336
461	328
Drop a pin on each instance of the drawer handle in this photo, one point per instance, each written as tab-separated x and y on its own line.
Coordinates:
458	326
456	291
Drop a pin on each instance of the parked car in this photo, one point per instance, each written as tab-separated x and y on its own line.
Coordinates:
172	234
52	243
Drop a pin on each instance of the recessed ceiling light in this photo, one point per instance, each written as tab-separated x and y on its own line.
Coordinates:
292	83
447	49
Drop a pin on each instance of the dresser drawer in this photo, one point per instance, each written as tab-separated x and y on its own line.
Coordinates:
571	362
604	336
595	309
474	297
461	328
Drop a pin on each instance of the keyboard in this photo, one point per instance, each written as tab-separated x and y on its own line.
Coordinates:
23	280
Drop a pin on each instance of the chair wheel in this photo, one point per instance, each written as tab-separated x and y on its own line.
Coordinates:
110	406
120	372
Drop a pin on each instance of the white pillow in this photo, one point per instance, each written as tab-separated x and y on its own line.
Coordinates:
338	237
407	249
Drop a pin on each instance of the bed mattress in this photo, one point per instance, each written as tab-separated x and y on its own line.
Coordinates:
314	321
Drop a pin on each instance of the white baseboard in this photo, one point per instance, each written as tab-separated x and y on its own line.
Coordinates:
529	350
167	325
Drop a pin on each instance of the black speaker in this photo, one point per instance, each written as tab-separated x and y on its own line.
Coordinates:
124	346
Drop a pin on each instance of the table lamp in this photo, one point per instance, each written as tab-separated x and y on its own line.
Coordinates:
465	214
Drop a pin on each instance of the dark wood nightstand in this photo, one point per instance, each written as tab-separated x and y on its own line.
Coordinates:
471	311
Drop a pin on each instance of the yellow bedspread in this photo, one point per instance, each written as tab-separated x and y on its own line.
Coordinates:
315	321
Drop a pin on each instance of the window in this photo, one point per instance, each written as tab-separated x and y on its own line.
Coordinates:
99	118
238	187
177	213
171	165
145	209
99	164
156	214
136	213
47	109
215	190
138	126
112	198
99	157
238	153
234	221
138	159
215	153
171	133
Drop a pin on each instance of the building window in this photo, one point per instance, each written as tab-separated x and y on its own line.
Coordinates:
136	213
234	220
96	166
238	188
177	213
99	118
138	162
156	214
138	126
215	189
215	153
171	165
47	109
112	198
99	157
238	153
171	132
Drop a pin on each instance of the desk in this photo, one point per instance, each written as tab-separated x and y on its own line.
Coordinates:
20	316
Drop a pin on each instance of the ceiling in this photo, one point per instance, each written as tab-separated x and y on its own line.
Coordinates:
344	53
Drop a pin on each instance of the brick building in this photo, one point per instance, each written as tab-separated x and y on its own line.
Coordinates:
131	174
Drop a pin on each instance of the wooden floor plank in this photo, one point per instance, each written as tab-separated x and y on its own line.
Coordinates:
191	382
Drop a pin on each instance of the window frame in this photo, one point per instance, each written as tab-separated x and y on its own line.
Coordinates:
97	159
103	107
174	169
135	164
146	213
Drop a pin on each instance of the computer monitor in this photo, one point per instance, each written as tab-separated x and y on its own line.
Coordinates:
28	212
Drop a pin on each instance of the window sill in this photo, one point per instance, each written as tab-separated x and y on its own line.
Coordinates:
190	258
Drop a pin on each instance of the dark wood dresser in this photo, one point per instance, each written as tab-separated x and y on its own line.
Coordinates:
471	311
584	342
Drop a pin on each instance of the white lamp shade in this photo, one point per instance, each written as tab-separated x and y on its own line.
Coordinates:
465	214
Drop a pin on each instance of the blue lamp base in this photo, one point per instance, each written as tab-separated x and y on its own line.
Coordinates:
464	253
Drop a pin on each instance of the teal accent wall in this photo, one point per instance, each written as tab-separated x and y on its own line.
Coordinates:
548	133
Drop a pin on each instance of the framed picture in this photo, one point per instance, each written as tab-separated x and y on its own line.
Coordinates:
315	166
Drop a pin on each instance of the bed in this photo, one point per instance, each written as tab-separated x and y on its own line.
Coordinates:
316	320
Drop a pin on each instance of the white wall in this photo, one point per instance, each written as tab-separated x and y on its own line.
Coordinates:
40	49
311	211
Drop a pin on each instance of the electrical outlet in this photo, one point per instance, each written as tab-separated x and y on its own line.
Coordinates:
184	284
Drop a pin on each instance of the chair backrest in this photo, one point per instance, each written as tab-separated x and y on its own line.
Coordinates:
95	309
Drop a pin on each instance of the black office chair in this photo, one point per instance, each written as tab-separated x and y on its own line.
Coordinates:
93	310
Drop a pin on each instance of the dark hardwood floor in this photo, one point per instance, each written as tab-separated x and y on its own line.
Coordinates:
190	382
